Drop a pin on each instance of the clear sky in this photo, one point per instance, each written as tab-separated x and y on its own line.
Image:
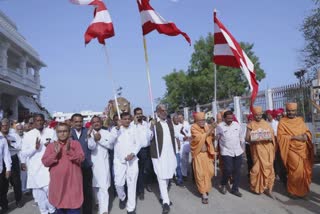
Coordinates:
77	77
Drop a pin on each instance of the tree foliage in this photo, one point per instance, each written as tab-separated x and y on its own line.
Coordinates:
311	32
196	85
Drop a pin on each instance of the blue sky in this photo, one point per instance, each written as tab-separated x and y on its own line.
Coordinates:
77	77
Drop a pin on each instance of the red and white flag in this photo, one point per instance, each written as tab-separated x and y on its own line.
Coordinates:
151	20
227	52
101	27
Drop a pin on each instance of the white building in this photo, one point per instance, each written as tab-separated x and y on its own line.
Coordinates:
20	68
87	115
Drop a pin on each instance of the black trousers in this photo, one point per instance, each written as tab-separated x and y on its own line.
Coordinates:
249	159
87	190
145	169
231	167
14	180
279	167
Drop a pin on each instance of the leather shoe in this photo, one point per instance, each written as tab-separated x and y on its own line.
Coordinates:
122	204
19	204
165	209
161	201
148	188
223	189
141	196
236	193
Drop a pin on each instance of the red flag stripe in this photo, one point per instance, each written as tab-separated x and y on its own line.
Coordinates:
144	5
100	6
219	38
227	52
228	61
151	20
101	27
99	30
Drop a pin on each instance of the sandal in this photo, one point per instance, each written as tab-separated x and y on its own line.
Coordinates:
204	200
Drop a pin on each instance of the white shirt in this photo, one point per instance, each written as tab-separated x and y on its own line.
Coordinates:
127	141
15	145
38	174
274	124
78	133
4	155
186	128
144	131
178	136
21	157
100	158
230	139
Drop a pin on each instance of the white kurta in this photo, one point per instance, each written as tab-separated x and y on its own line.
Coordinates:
4	155
144	134
100	159
15	142
186	128
38	174
126	141
165	166
178	135
274	124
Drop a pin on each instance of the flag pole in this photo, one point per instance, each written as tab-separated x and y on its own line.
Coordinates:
215	102
215	107
111	78
150	90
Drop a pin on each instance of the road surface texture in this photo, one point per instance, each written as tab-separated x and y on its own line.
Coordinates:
187	200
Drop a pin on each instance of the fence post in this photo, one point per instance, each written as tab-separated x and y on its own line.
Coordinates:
269	101
186	113
237	108
198	108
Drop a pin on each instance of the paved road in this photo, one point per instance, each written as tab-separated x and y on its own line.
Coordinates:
187	201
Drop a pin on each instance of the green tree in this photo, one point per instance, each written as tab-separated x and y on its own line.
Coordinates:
196	85
311	32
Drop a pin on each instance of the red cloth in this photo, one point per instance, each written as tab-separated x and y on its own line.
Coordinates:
278	111
250	117
87	125
269	112
65	187
53	124
235	118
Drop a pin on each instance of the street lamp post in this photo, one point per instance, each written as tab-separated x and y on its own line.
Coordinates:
300	75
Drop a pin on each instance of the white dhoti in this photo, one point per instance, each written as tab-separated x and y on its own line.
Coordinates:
41	197
165	166
126	172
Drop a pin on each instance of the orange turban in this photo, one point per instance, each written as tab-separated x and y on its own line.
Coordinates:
257	110
291	106
199	116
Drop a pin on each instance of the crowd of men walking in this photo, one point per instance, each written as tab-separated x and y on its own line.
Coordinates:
70	168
